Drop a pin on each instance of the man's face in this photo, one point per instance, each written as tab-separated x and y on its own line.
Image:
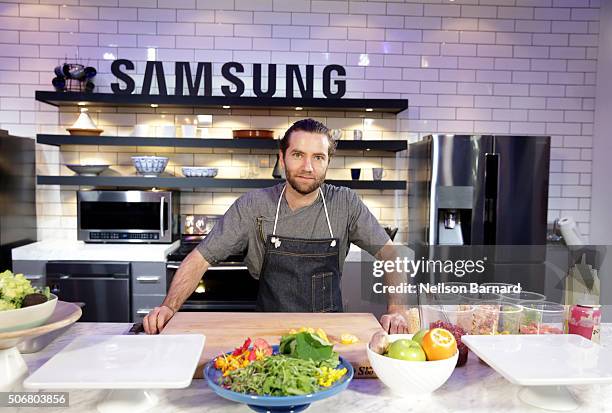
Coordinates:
306	161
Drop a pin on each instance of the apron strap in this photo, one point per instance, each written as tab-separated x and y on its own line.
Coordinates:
326	215
278	209
331	233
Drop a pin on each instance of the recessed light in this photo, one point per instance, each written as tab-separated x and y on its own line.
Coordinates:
154	105
369	109
298	108
82	103
226	106
368	149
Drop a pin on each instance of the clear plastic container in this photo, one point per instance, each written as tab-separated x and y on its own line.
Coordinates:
493	317
456	314
541	317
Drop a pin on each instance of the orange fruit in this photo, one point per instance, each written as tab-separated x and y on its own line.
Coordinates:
439	344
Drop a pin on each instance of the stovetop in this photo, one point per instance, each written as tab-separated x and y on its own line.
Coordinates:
190	242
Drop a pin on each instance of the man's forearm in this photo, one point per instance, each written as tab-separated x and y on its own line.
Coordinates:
185	280
396	302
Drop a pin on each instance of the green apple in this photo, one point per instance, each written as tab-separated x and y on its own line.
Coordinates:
406	349
418	337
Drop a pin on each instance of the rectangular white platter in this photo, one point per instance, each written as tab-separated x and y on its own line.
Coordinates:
544	360
122	362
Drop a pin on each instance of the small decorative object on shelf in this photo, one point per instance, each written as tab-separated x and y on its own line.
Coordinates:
84	125
253	133
336	134
74	77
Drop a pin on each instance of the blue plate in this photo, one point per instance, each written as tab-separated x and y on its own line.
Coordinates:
275	404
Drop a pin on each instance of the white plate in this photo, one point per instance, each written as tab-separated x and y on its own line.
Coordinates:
122	362
544	360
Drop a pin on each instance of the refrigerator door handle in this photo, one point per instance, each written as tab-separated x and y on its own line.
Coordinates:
491	185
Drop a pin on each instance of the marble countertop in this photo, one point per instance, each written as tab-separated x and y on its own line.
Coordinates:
472	388
49	250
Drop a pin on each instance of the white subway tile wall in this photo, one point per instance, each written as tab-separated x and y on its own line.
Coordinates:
466	66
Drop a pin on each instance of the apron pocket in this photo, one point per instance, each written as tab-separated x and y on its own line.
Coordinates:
322	292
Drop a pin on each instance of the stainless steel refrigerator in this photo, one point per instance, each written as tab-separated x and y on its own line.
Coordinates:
482	190
17	195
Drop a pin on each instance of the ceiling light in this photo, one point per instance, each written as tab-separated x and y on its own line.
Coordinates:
154	105
298	108
226	106
369	109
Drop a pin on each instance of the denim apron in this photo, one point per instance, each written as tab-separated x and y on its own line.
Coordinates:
300	275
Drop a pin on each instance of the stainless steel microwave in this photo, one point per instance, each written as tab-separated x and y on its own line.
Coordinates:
128	216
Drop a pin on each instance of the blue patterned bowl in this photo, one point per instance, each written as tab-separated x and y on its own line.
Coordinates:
200	172
277	404
150	165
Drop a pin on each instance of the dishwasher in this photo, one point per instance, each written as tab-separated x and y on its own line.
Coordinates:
104	288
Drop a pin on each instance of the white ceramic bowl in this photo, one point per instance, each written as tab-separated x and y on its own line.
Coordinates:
203	172
150	165
409	378
27	317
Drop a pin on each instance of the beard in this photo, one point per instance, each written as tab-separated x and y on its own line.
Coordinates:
302	187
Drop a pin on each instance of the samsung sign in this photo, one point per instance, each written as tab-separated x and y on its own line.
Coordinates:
200	84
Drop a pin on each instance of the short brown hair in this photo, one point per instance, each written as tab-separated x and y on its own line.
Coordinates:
311	126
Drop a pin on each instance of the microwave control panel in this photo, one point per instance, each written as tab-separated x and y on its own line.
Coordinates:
111	236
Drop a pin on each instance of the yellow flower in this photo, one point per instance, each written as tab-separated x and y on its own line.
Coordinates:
330	376
348	339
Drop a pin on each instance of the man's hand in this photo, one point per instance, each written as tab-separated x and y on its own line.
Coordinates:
183	284
394	323
157	319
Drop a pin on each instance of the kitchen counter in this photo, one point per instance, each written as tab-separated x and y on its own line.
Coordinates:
52	250
474	387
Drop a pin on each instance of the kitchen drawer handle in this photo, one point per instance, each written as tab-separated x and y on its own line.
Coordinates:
161	216
144	311
228	267
147	279
33	277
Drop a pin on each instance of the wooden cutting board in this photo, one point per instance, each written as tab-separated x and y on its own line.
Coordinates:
225	331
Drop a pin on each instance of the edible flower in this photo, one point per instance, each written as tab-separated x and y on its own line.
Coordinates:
329	376
243	356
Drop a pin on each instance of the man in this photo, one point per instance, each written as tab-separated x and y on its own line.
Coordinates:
296	236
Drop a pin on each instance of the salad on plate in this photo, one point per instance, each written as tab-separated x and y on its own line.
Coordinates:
16	292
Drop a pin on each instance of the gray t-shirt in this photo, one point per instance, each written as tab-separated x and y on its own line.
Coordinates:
250	219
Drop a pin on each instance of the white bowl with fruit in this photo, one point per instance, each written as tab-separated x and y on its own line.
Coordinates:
21	305
413	364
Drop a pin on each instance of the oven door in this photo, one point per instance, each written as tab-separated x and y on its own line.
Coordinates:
222	288
125	216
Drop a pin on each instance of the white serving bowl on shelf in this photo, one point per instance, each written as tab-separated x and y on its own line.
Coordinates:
411	378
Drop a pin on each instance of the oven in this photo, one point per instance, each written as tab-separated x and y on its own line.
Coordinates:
127	216
227	286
